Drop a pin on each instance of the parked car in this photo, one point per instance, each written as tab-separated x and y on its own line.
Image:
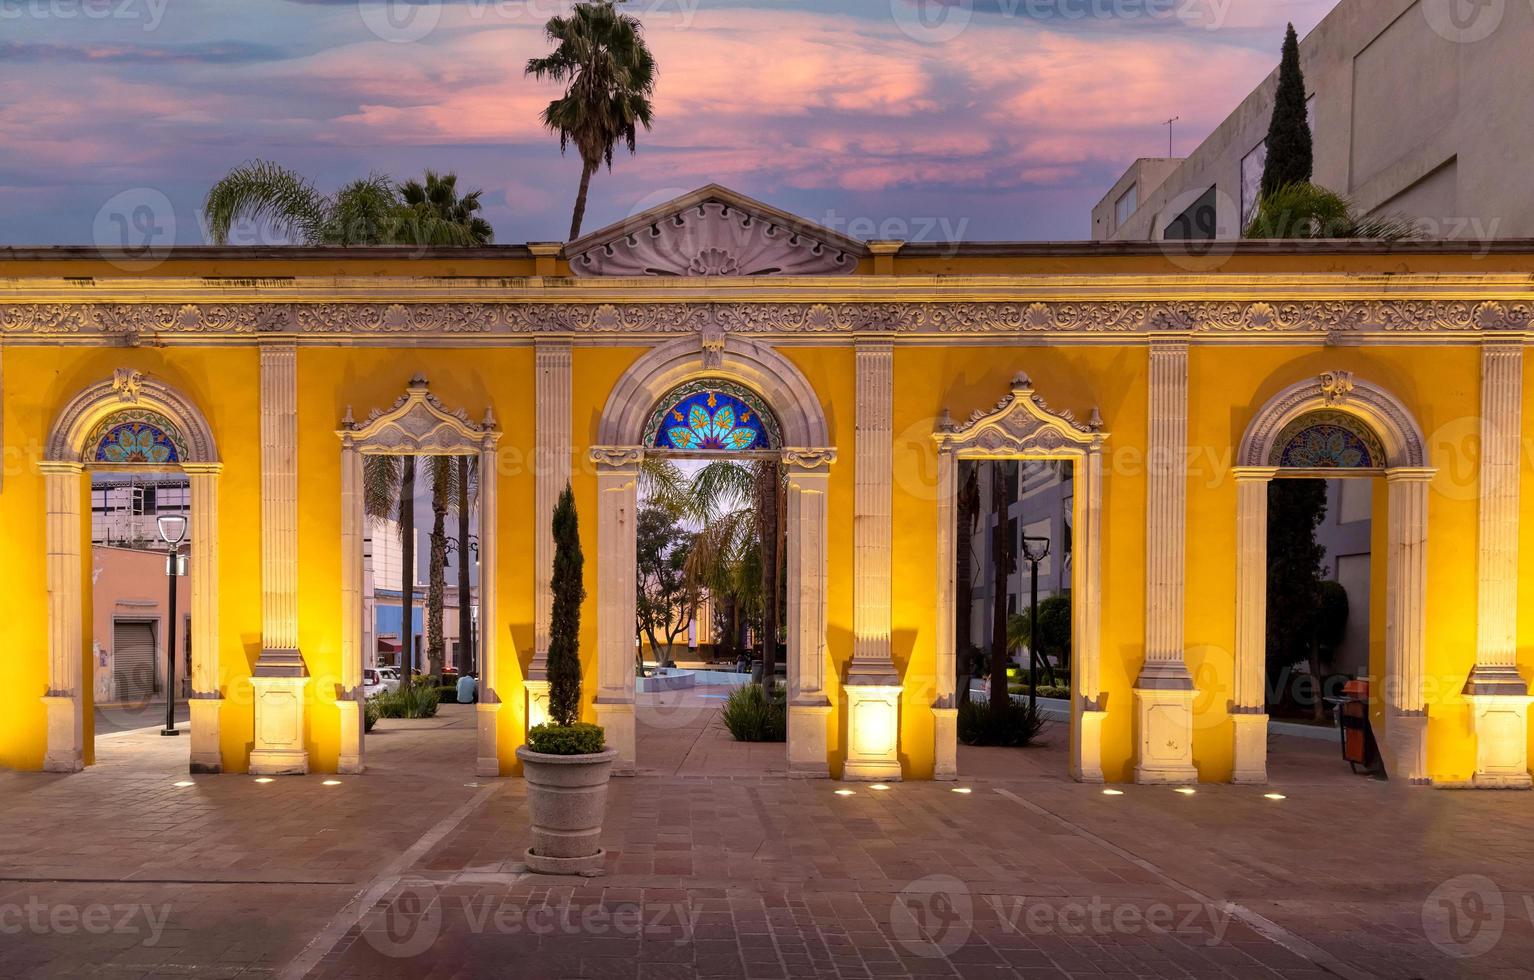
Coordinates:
390	676
372	682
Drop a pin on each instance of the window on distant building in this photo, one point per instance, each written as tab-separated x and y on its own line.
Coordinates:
1199	222
1127	204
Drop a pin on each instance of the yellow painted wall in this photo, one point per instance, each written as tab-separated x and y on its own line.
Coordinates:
329	381
39	382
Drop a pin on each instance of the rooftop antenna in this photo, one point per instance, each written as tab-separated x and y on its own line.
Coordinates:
1170	148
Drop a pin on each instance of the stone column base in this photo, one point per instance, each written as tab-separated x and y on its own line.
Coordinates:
66	734
537	702
1404	748
487	756
207	750
1501	741
1164	730
873	733
1087	746
945	724
808	751
279	746
353	741
617	720
1251	749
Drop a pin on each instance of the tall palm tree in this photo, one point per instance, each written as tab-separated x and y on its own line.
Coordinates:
442	475
969	516
370	211
1003	564
388	490
468	471
601	58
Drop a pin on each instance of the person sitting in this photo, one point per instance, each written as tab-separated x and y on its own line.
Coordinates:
467	689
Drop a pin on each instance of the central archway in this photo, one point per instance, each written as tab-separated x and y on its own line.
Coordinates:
806	456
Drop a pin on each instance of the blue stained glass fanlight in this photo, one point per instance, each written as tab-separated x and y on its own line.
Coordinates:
1328	440
136	437
712	416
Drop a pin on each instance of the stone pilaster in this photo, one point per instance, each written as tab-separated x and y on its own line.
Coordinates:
945	707
487	711
617	511
808	480
1498	694
1249	707
207	698
280	677
553	413
62	490
1164	691
1088	703
1406	716
354	609
873	685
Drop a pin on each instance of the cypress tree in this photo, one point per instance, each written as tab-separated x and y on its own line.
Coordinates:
1291	155
569	589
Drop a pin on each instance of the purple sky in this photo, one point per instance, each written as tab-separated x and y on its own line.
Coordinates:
915	119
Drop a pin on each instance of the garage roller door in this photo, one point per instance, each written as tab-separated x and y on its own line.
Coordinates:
133	658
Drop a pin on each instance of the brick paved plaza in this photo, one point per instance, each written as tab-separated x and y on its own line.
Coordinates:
132	869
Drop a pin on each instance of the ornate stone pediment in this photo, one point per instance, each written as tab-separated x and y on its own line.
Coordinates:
1020	424
418	424
714	232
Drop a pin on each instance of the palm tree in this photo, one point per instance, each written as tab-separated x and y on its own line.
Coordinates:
369	211
468	472
388	490
1312	211
1003	564
601	58
442	474
969	516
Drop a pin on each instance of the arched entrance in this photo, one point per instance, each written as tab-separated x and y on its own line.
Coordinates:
416	425
1333	426
622	445
130	421
1022	427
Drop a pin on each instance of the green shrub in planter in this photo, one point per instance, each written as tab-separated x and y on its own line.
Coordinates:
580	738
752	715
370	713
1018	726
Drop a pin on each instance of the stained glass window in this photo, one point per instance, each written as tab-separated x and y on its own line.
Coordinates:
712	416
1328	440
135	436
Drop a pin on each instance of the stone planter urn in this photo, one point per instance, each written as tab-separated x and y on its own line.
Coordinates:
567	796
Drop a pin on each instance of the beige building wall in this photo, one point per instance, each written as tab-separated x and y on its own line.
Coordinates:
129	586
1413	113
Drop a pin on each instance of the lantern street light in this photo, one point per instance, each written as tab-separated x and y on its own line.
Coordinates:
1035	550
172	532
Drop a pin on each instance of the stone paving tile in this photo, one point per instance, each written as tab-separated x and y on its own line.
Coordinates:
1029	875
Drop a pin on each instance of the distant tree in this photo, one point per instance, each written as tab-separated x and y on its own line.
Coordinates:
568	586
964	598
663	599
1331	623
1291	154
1054	632
1003	564
608	72
1296	509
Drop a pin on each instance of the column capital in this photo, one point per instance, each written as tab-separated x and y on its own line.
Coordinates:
617	457
808	458
1254	474
202	469
61	467
1411	474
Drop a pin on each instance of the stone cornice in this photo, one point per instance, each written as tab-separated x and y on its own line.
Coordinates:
1328	308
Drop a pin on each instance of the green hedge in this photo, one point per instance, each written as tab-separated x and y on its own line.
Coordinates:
415	701
1017	727
752	715
581	738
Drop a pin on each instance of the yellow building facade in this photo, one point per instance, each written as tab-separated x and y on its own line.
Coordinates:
1179	384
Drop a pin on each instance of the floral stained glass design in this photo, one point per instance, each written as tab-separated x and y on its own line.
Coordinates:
136	437
1328	440
712	416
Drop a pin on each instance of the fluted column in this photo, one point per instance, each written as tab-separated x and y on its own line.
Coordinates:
808	480
614	582
1406	715
207	698
873	685
551	467
62	490
945	707
1164	691
280	677
1088	703
487	711
353	608
1249	707
1498	694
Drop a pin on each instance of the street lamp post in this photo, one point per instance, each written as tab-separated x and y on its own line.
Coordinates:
172	532
1035	550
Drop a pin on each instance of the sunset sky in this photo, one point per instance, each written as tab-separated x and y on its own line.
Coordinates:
917	119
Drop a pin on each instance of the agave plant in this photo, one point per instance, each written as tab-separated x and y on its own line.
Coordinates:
1311	211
